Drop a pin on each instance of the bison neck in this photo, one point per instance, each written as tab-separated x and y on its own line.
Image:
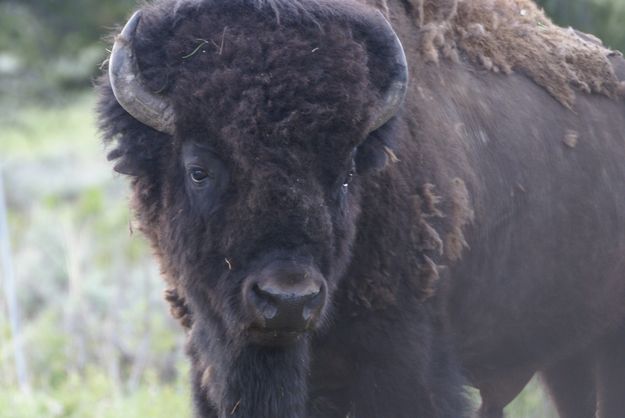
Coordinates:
266	382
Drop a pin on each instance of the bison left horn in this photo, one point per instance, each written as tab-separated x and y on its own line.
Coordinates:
393	97
128	87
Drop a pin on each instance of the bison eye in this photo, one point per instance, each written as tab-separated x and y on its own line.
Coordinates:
205	177
198	175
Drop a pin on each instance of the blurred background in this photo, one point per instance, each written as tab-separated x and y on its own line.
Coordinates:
84	331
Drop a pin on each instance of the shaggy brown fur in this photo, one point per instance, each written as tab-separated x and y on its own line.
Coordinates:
472	173
514	35
461	214
178	307
273	98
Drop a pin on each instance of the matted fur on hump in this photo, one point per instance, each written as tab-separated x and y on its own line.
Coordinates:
515	35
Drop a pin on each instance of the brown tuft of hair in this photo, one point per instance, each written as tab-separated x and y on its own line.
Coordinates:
178	307
461	215
515	35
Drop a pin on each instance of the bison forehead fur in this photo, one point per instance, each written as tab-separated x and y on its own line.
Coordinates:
269	87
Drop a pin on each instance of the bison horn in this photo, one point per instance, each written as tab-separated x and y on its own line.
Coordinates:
131	93
393	97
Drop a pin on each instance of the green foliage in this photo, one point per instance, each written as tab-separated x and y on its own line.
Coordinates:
95	331
532	403
48	46
37	132
603	18
78	23
94	395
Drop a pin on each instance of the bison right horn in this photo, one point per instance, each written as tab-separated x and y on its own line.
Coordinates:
393	97
128	86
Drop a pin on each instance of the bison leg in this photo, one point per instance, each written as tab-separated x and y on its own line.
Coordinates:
611	377
402	385
331	405
497	392
571	384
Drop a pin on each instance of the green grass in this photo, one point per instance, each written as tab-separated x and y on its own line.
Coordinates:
88	290
93	395
532	403
33	131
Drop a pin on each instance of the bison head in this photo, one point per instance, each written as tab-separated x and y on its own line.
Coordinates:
246	128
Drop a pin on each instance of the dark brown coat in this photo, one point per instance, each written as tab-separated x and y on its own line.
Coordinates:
483	225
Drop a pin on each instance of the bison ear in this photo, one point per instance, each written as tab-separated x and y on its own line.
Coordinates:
124	167
376	152
124	164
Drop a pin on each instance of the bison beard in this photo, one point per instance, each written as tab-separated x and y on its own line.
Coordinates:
268	382
260	382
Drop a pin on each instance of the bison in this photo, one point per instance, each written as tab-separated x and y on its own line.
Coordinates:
359	207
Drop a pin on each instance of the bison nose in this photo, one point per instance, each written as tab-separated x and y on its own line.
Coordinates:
287	300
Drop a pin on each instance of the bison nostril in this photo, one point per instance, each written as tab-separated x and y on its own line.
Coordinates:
312	306
265	303
269	311
307	313
284	304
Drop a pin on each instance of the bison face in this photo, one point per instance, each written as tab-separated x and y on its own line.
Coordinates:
264	121
258	240
247	163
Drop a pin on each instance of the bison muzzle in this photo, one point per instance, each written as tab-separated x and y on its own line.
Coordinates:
286	298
